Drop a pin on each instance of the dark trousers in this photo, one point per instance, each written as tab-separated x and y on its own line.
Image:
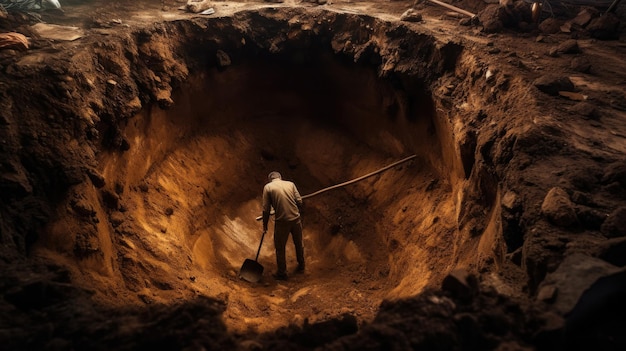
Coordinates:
281	234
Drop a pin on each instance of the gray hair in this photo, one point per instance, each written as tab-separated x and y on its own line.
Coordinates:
274	175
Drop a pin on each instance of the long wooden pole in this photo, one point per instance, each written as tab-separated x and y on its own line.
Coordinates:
354	180
612	7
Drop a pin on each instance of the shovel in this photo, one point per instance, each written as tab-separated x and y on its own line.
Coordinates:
251	270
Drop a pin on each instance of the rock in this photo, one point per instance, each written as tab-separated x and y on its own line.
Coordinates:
116	219
552	84
605	27
164	98
134	104
14	180
542	253
145	298
491	18
223	60
617	100
196	6
461	284
520	13
573	96
566	27
96	178
558	208
584	178
550	25
582	198
615	224
82	207
585	16
574	275
110	199
613	251
547	293
584	109
590	218
580	64
599	315
615	172
411	15
510	200
566	47
169	211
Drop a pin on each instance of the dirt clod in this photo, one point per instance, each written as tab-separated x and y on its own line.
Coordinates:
615	223
553	84
566	47
558	208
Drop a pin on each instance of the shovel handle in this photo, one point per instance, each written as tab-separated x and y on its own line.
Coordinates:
261	244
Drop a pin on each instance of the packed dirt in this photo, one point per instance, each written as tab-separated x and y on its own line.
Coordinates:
137	137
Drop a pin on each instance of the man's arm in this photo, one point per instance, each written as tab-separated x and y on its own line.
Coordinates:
266	208
298	198
266	218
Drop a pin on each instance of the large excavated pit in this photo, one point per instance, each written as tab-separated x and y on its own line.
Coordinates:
172	212
136	159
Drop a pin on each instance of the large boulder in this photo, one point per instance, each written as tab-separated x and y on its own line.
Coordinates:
572	278
605	27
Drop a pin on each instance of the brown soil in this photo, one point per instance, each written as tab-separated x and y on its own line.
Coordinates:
134	158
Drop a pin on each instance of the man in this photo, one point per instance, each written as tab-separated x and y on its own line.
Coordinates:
284	197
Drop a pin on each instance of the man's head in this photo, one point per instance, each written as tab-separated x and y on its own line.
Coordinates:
273	175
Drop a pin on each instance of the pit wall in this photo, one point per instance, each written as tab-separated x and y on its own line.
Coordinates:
145	67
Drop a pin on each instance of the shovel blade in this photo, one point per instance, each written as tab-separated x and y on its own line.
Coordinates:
251	271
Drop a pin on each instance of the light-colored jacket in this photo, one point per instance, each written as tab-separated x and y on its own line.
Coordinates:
284	197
